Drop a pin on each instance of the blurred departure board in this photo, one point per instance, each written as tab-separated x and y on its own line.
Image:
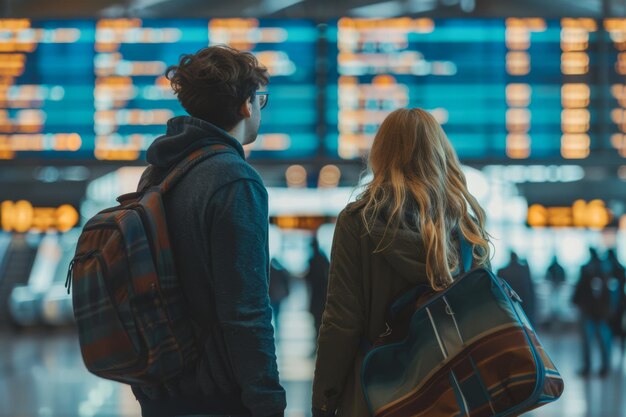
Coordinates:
288	49
96	89
46	89
503	89
616	34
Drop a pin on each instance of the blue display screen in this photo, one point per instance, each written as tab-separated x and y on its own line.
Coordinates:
495	85
503	89
96	89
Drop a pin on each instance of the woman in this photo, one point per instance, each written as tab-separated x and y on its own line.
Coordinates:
398	234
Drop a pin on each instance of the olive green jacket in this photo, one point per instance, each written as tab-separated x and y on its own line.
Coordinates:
363	281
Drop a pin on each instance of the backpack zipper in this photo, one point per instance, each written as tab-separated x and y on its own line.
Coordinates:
70	269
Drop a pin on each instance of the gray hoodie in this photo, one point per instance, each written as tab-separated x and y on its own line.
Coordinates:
218	223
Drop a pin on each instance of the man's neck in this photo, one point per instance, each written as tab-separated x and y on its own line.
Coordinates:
238	132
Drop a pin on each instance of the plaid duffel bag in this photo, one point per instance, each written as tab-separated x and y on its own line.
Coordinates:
466	351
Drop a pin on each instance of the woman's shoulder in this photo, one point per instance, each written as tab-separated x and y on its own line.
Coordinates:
351	212
350	217
352	208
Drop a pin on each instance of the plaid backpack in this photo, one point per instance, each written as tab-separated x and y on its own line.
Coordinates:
466	351
133	326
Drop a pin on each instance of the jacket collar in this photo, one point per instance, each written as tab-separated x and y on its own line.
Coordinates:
184	135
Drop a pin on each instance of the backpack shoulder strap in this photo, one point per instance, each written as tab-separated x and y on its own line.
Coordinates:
193	159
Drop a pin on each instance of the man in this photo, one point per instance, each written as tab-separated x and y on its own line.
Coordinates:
517	274
617	283
218	228
555	275
279	290
593	298
317	280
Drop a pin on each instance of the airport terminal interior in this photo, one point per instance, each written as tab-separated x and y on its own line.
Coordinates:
531	93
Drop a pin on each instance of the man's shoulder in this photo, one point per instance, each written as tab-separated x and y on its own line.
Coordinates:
226	168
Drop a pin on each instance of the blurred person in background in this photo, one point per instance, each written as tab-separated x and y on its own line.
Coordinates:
555	276
592	296
317	283
401	232
517	274
618	290
280	280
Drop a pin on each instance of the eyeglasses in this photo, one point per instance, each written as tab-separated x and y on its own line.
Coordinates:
264	97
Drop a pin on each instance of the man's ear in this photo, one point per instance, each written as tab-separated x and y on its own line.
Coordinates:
246	108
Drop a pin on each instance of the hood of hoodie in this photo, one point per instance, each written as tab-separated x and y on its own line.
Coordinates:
402	249
184	135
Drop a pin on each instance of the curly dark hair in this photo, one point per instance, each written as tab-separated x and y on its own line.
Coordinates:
213	83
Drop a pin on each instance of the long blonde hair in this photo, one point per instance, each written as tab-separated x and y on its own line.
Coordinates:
413	161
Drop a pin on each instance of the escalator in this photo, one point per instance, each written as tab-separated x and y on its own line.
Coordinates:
15	270
56	306
5	240
25	300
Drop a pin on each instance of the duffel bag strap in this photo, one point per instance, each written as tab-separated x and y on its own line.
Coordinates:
403	301
466	253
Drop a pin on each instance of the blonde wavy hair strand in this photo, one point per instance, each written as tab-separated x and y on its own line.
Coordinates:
412	158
